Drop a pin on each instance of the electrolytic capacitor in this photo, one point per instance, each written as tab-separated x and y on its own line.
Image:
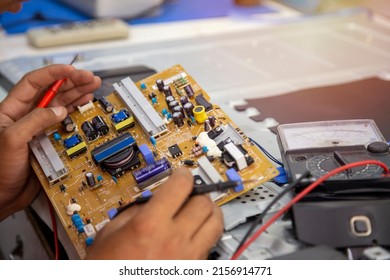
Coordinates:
89	131
100	125
107	106
68	124
169	99
212	121
90	179
167	91
188	107
173	104
183	100
207	126
189	91
178	109
178	119
160	85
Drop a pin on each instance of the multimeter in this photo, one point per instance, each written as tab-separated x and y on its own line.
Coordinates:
322	146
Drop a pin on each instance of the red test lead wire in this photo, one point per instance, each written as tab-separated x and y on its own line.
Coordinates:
49	95
300	196
52	91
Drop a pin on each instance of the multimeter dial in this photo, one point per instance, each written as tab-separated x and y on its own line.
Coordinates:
328	134
320	165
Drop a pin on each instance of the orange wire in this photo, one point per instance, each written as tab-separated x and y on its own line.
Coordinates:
300	196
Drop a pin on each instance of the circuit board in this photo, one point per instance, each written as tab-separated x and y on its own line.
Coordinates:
124	145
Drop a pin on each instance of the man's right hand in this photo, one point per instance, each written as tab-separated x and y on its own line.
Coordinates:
171	225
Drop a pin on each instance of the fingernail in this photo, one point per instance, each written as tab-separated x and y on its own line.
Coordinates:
59	111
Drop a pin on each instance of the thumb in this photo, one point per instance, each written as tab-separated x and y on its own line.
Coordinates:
35	122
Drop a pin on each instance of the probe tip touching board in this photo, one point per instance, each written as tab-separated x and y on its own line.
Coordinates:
123	146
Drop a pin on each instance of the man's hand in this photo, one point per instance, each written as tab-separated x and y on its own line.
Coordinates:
20	122
169	226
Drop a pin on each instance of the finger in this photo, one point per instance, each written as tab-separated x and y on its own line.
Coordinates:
79	78
119	222
172	194
65	98
209	234
194	214
21	98
34	123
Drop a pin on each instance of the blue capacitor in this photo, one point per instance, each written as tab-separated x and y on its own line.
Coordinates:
233	175
99	178
146	153
143	86
89	241
57	136
154	100
112	213
169	116
192	119
146	193
205	149
164	112
78	222
153	140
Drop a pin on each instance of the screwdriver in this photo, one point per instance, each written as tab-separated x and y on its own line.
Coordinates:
197	190
52	91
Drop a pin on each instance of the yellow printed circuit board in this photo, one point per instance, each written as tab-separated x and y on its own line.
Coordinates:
125	145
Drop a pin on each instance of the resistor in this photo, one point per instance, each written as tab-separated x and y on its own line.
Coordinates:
196	149
199	153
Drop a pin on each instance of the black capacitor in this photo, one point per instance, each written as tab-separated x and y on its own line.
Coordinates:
183	100
167	91
152	95
89	131
90	179
160	85
189	91
212	121
100	125
169	99
178	119
68	124
178	108
207	126
173	104
188	107
107	106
